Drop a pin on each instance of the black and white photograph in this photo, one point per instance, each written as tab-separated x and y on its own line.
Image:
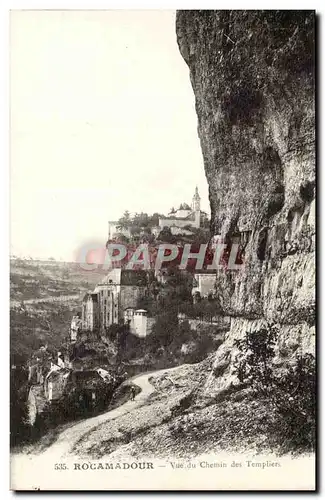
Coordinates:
162	250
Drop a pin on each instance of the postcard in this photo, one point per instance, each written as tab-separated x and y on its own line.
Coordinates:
162	262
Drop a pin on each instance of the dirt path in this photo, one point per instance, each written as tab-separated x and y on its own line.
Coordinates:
65	441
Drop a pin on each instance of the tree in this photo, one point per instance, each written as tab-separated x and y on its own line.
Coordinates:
200	235
154	219
125	221
141	220
19	387
166	235
255	366
135	230
164	329
121	340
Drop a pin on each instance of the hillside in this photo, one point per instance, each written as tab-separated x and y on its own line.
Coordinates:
43	297
175	421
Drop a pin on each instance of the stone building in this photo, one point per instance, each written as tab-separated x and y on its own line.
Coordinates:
55	383
138	321
204	284
184	215
76	326
90	311
114	230
120	289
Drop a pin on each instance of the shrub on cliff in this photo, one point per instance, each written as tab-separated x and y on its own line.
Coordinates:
290	394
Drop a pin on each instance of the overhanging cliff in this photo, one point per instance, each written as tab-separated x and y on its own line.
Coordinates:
252	74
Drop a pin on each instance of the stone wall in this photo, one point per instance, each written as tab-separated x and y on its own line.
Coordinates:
252	73
194	222
205	284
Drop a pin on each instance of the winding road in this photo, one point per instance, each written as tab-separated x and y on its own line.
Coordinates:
66	440
42	471
51	298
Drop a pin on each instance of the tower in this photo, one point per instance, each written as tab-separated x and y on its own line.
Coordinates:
196	208
196	201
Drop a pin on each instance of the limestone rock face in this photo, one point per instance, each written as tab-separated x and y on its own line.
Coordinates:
252	74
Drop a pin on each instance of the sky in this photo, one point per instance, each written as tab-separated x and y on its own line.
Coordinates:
102	120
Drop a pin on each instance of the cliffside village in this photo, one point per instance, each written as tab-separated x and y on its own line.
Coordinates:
114	301
179	221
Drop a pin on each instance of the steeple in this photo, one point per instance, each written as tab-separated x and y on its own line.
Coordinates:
196	200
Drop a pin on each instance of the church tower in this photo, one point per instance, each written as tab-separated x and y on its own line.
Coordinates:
196	201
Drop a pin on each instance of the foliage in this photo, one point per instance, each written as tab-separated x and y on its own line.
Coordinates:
112	332
19	429
148	303
200	235
290	392
179	343
166	235
256	364
124	221
201	309
139	222
132	348
164	329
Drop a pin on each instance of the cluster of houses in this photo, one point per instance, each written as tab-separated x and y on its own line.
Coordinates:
50	380
113	301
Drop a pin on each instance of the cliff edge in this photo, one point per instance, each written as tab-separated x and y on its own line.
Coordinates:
252	74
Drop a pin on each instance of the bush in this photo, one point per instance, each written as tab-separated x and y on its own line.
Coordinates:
290	393
19	428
